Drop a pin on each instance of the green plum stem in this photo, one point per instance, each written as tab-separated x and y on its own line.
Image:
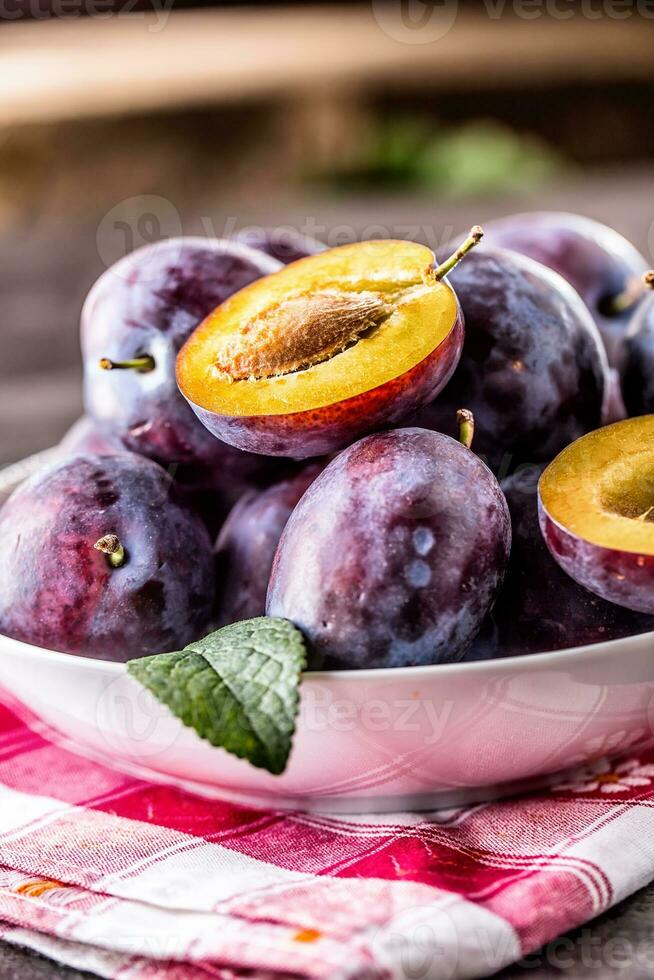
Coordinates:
475	236
110	546
466	422
143	364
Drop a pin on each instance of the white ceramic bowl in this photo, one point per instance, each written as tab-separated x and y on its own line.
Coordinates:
369	740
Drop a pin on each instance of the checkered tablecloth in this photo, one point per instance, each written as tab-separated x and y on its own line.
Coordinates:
134	880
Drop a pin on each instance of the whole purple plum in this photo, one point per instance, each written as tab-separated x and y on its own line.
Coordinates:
540	608
533	370
394	554
136	318
247	543
601	264
284	244
638	366
98	558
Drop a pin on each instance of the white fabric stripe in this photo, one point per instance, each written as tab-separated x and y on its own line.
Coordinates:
446	939
200	878
22	812
195	875
623	848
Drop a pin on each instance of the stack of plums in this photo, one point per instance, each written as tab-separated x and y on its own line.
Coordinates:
406	455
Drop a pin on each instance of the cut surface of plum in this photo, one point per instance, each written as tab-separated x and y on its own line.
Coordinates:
596	507
329	348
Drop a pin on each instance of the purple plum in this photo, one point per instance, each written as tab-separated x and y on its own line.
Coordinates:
533	370
603	267
638	367
394	554
285	244
540	608
99	558
136	318
247	543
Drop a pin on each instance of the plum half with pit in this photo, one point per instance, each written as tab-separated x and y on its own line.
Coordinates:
99	558
533	370
394	554
135	319
603	267
328	349
638	364
540	607
596	509
247	543
285	244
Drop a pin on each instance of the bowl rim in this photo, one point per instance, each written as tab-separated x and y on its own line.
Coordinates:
499	665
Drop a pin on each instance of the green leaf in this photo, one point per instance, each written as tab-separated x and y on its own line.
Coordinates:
238	687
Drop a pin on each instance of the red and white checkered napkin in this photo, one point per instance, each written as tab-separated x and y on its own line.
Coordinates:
134	880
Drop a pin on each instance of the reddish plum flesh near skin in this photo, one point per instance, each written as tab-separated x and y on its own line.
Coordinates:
638	367
146	306
394	554
532	371
596	260
284	244
58	591
609	572
247	543
540	608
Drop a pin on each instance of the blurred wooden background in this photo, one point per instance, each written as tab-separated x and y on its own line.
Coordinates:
323	118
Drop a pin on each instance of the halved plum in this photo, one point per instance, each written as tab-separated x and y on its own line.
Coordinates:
331	347
596	511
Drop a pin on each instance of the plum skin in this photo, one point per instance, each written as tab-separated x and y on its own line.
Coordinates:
638	367
394	554
57	591
301	435
211	492
247	543
597	261
622	577
87	436
532	371
149	303
284	244
540	608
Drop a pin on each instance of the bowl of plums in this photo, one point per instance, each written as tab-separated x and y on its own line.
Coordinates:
354	529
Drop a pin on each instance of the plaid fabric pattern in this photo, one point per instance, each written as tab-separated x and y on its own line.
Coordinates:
134	880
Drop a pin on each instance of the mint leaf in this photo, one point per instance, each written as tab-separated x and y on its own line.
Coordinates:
238	687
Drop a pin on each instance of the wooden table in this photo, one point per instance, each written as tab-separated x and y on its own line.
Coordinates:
45	277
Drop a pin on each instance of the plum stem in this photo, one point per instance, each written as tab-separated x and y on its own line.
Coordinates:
144	363
466	422
632	292
475	236
110	546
